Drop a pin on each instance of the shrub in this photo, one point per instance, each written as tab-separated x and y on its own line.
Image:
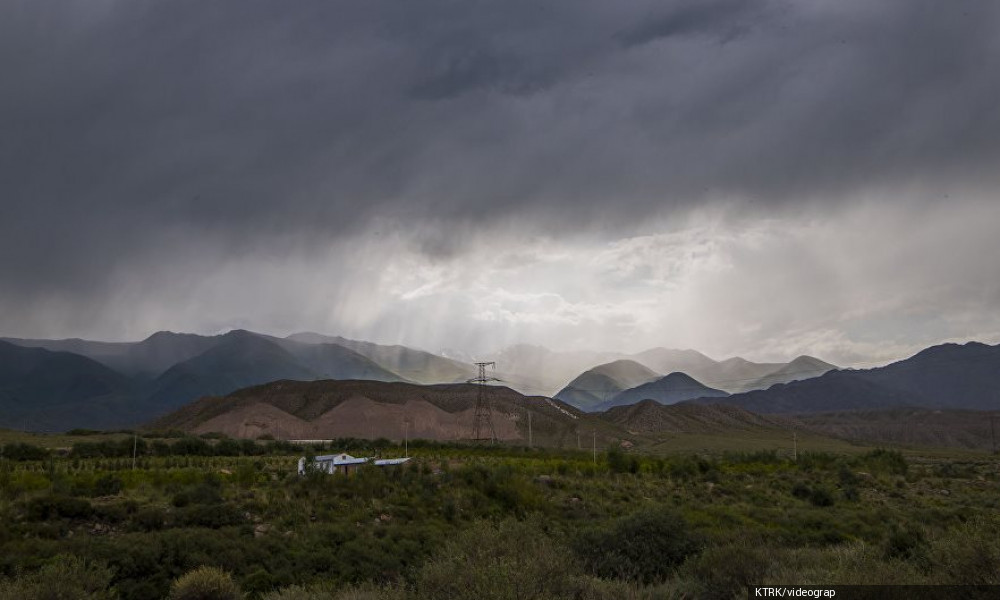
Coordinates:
212	516
619	462
887	461
508	560
22	452
58	507
205	583
327	591
66	578
149	519
820	496
817	496
969	554
108	485
906	543
645	547
724	572
801	490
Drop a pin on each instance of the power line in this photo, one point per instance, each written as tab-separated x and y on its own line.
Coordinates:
482	421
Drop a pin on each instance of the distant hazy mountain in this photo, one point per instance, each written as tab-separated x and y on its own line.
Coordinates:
538	370
731	375
803	367
670	389
122	383
330	361
41	389
665	360
414	365
146	359
243	359
98	351
946	376
594	387
160	351
739	374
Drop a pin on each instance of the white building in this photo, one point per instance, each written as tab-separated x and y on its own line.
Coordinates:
345	463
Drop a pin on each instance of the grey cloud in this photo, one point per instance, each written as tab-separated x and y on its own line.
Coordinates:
725	19
133	128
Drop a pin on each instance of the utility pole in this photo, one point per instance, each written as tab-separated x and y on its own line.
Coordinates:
795	446
135	445
993	432
595	446
482	421
406	438
993	429
531	441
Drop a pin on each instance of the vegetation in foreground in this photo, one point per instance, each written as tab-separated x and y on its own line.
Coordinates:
224	518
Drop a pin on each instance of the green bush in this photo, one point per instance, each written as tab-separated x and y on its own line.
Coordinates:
327	591
46	508
725	572
645	547
907	543
884	461
619	462
969	554
22	452
212	516
496	562
205	583
820	496
108	485
66	578
149	519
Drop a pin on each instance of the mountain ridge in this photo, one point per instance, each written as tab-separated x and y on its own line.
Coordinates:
670	389
945	376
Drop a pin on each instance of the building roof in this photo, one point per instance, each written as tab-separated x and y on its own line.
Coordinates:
341	459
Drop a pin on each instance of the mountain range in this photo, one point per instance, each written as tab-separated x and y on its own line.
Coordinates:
627	381
47	388
102	385
593	388
547	371
669	389
947	376
62	384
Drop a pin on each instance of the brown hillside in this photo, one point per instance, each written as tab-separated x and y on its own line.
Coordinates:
908	426
372	409
650	416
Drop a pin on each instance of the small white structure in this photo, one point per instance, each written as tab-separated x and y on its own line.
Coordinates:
345	463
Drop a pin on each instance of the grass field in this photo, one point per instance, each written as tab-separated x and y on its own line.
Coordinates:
688	516
55	440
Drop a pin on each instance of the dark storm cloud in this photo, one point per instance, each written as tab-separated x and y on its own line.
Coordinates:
132	128
725	19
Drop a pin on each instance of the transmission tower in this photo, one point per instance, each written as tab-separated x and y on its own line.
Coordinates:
482	422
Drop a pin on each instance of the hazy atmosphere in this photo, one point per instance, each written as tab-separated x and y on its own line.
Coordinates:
764	179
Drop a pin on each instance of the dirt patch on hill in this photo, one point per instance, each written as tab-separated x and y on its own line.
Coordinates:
357	416
362	417
257	419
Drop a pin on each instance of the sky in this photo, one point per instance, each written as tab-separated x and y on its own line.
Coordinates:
757	178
